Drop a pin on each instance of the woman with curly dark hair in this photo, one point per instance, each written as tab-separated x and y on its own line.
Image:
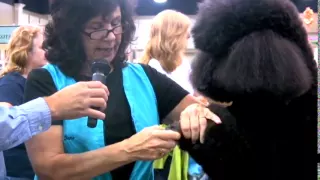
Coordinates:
123	145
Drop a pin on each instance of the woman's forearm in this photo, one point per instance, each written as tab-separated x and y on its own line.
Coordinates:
87	165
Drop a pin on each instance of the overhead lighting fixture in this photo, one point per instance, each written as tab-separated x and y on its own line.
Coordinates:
160	1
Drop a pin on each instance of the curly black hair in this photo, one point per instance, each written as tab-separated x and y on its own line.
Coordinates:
255	54
257	46
63	43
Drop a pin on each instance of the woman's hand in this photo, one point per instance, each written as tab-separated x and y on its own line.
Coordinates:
151	143
202	100
78	99
193	121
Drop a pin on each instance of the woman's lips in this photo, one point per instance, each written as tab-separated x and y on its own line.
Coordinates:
105	51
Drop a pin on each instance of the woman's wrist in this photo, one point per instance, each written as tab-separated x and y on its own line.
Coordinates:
126	151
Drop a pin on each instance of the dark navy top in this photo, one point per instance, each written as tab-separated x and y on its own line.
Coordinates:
16	159
12	88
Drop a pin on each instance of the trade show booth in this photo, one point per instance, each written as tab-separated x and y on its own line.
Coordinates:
309	18
5	34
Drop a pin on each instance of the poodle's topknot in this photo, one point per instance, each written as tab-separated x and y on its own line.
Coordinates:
227	21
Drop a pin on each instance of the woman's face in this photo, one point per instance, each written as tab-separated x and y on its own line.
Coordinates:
99	41
37	54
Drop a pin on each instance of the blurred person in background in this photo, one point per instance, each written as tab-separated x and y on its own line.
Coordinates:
24	53
165	51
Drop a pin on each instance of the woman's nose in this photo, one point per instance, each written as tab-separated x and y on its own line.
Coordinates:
110	36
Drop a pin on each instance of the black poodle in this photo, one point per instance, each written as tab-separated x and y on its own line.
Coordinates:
255	54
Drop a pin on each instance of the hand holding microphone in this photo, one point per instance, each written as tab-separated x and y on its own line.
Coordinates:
76	101
100	70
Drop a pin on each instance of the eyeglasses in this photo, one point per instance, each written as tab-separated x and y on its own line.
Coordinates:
103	33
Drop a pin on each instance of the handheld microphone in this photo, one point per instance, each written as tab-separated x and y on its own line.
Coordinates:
100	70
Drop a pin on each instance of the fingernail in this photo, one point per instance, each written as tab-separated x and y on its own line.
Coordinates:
218	120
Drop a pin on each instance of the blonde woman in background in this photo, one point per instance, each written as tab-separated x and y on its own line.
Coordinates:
24	53
165	50
169	34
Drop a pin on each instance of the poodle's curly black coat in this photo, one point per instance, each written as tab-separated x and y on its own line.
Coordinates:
256	54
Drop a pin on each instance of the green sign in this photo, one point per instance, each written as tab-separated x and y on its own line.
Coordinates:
5	33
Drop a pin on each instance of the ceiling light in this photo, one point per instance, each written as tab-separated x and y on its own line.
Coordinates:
160	1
